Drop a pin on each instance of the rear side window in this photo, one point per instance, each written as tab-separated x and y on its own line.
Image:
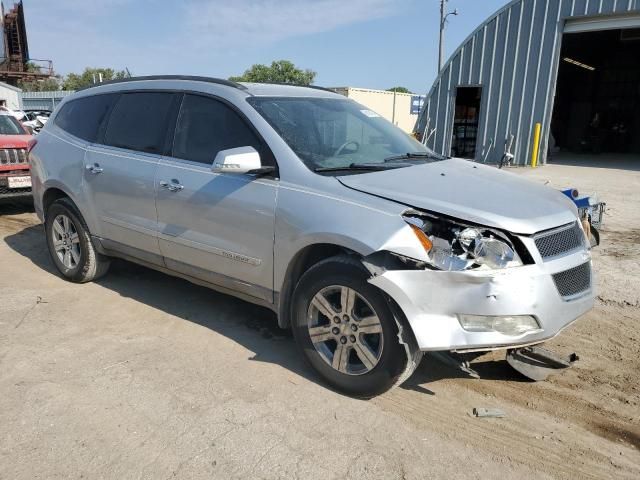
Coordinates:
83	117
206	126
139	121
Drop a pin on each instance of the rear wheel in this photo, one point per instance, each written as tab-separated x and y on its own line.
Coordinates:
346	330
70	244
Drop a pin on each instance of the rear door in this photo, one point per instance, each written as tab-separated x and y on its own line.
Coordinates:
120	171
216	227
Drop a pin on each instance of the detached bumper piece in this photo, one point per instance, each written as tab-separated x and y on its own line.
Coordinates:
537	363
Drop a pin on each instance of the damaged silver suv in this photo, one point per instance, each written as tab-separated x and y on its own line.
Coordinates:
369	246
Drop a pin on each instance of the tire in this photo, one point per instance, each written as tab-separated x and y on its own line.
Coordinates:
70	245
372	363
594	238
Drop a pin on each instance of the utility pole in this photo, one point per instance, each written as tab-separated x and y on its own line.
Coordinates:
443	23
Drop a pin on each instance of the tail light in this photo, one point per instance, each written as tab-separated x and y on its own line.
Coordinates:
32	143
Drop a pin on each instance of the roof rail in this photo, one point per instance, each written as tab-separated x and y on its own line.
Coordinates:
194	78
315	87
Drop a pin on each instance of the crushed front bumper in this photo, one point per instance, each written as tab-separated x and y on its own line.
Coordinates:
432	300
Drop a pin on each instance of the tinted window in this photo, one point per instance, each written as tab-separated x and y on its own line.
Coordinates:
206	126
139	121
84	116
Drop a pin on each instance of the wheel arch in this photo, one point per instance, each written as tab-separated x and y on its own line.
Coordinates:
304	259
313	254
50	195
54	190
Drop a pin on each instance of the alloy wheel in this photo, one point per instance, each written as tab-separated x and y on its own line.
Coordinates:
66	241
345	330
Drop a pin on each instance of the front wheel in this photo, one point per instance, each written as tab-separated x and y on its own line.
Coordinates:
345	329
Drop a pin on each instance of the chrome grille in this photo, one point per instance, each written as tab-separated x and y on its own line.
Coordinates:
574	281
561	240
10	156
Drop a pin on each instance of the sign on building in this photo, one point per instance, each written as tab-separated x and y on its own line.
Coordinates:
417	101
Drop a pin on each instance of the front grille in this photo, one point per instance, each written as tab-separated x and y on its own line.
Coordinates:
561	240
10	156
573	281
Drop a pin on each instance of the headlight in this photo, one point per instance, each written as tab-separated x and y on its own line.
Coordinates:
486	249
452	246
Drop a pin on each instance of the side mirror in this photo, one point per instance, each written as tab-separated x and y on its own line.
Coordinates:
237	160
29	129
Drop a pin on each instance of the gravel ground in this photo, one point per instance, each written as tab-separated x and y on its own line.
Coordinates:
141	375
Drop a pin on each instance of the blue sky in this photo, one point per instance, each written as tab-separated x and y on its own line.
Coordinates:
360	43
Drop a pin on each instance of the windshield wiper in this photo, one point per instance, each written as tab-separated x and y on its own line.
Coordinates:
371	167
413	156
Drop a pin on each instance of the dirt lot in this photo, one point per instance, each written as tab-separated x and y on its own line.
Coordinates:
141	375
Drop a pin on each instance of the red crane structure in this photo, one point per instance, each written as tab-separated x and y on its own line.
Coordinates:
15	63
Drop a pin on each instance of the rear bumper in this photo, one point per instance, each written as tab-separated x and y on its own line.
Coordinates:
432	300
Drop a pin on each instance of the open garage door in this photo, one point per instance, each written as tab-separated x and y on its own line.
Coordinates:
597	105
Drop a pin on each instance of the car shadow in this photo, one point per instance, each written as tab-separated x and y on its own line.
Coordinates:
432	370
16	205
253	327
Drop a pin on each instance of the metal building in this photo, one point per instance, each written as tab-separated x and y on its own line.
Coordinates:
583	56
401	109
42	100
10	96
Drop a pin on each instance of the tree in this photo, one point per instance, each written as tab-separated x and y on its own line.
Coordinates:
44	85
75	81
281	71
399	90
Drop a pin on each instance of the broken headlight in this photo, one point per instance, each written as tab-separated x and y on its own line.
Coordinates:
453	246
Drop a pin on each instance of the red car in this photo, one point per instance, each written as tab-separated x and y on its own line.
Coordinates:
15	177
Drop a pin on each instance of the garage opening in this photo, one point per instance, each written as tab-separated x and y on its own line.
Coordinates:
465	122
597	105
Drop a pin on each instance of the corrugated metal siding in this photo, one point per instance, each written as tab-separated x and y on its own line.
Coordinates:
42	100
514	57
3	46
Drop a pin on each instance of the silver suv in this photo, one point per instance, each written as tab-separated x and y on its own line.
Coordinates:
369	246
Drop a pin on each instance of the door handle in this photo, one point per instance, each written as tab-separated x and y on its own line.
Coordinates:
173	186
95	169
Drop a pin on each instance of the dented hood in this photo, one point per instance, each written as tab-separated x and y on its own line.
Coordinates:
470	191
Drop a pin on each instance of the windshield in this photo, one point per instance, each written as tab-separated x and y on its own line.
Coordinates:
10	126
334	134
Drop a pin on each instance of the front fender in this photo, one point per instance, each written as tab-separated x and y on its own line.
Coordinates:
351	220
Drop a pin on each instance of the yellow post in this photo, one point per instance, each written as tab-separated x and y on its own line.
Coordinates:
536	145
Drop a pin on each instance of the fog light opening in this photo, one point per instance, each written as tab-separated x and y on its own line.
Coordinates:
512	325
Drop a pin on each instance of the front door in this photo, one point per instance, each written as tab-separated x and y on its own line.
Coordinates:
216	227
